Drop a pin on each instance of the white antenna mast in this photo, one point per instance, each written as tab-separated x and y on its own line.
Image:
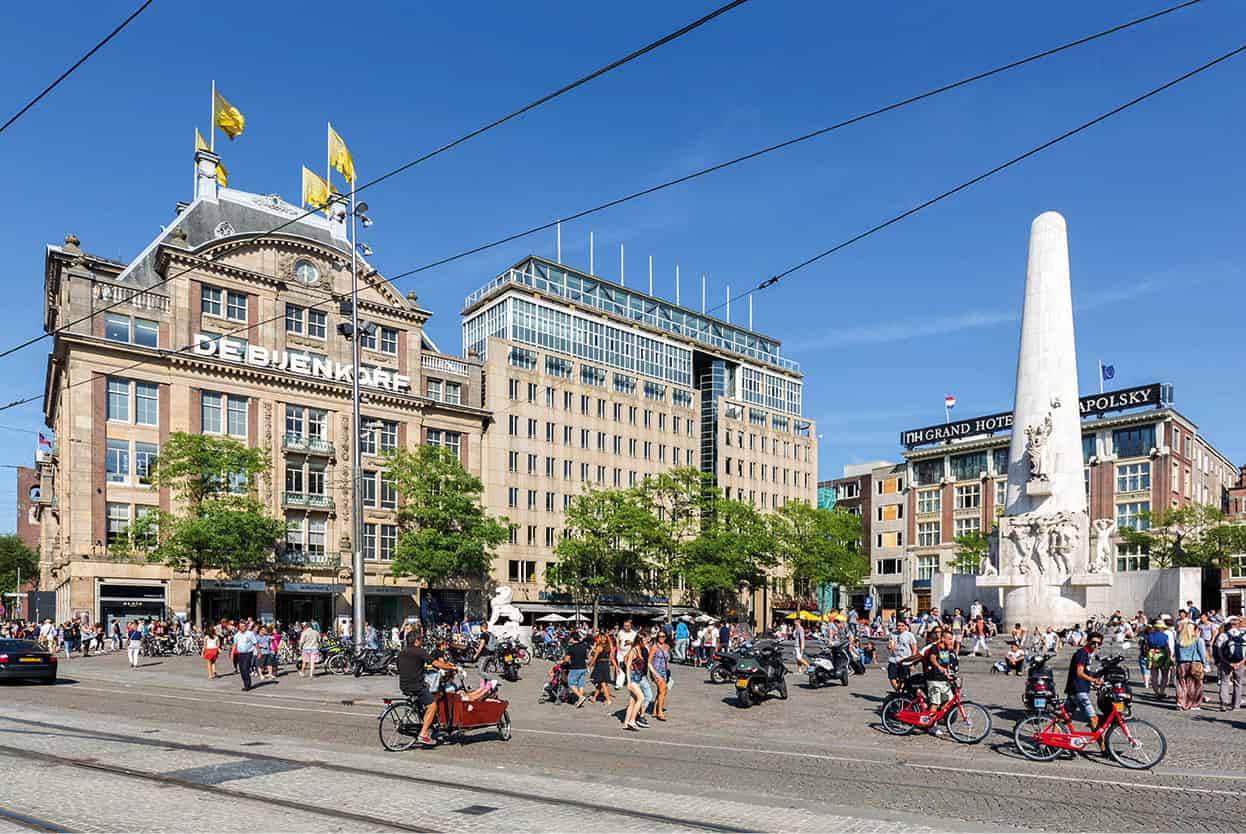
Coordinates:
590	253
650	275
676	284
558	233
702	292
622	276
728	304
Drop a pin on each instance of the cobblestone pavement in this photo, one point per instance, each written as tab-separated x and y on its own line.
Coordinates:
781	765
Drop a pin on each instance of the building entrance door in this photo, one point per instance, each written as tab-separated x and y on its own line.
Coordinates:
305	608
921	601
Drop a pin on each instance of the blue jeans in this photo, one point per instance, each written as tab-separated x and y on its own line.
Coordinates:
575	678
681	649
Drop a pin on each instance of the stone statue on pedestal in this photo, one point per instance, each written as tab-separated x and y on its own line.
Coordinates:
1037	448
504	618
1101	559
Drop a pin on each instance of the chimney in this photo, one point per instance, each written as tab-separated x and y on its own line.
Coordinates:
205	175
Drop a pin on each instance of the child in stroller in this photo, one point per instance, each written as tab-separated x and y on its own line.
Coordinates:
556	689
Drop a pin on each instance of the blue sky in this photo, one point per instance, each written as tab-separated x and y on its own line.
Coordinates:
883	330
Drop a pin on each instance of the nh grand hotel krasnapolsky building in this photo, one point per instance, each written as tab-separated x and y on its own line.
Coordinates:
567	381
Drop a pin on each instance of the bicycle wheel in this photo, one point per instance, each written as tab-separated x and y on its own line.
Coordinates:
891	723
1028	727
338	664
1142	748
398	727
969	724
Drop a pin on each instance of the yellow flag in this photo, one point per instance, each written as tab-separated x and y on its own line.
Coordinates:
339	157
222	176
200	143
315	190
227	117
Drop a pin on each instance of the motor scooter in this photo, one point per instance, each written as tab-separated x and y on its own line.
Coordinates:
831	664
760	673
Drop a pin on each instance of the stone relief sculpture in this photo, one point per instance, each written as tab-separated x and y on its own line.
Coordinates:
1021	547
504	618
987	568
1064	542
1037	449
1101	558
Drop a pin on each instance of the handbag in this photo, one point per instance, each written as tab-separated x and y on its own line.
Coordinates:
1196	669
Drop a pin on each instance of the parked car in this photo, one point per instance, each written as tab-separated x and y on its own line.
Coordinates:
26	659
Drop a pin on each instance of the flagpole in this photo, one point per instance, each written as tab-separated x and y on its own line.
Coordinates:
212	120
328	168
1100	376
947	413
357	566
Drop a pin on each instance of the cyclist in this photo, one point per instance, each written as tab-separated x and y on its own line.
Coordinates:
1078	687
941	663
413	662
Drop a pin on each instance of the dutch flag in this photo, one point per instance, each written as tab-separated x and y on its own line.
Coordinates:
949	402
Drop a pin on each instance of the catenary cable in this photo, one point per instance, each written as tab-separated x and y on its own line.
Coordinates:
896	105
774	279
891	221
613	65
75	66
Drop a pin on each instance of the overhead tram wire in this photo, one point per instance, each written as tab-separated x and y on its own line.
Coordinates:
75	66
1068	134
769	282
896	105
613	65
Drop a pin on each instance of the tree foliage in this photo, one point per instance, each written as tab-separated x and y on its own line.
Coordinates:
1194	535
217	523
603	551
15	558
676	503
971	550
736	546
444	531
820	546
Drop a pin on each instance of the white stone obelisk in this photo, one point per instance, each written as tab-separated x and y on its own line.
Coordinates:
1044	532
1047	381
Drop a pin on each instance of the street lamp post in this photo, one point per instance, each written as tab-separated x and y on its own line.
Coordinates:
357	214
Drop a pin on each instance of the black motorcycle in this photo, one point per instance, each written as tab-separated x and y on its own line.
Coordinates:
759	673
1040	685
375	662
722	665
834	663
504	662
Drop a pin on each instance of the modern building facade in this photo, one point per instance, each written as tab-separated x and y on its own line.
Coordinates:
592	384
222	328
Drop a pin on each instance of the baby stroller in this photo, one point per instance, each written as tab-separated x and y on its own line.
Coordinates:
555	689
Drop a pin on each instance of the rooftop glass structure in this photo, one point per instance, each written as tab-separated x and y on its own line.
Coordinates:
617	300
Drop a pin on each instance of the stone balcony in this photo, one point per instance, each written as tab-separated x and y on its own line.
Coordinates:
306	501
305	444
305	558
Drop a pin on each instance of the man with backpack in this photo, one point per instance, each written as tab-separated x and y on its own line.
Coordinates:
1229	651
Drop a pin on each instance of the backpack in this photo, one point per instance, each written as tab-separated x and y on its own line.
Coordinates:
1157	640
1234	649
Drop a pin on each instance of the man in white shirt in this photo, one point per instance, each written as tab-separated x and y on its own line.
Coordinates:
901	647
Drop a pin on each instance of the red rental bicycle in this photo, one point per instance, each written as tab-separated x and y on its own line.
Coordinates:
1133	743
966	721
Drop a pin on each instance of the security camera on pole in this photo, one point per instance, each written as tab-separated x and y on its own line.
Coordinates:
339	159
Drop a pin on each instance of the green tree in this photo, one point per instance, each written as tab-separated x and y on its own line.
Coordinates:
971	549
217	523
1195	535
16	558
444	530
821	546
736	545
602	551
676	500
